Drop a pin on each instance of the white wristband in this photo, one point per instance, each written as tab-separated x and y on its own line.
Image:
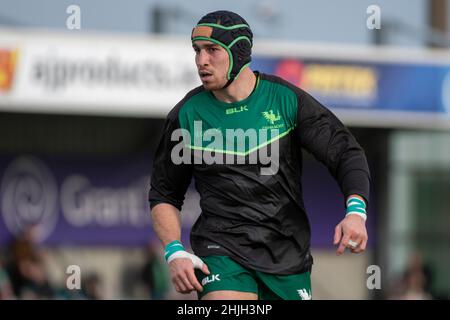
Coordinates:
198	263
362	215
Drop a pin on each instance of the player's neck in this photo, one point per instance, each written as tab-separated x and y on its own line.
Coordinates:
239	89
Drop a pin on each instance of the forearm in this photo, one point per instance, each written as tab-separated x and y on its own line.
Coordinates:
166	222
167	225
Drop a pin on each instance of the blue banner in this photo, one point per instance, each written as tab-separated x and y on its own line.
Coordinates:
365	85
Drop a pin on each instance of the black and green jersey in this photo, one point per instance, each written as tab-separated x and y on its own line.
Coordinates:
252	209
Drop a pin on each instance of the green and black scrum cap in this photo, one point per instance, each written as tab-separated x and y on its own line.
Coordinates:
230	31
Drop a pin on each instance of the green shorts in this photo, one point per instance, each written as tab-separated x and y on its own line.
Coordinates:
226	274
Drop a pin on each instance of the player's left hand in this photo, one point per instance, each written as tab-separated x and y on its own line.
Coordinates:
350	231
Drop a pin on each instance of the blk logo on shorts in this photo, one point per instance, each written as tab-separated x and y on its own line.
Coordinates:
211	278
305	295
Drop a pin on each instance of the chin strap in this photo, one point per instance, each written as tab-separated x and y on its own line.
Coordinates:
228	83
256	82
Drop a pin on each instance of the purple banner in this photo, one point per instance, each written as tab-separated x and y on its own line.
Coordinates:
324	204
103	201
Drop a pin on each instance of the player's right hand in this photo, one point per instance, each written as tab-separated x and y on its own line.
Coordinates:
182	265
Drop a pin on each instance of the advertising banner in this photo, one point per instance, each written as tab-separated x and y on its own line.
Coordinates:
95	75
103	201
147	76
380	86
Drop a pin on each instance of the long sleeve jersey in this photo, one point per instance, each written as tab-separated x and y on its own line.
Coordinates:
254	216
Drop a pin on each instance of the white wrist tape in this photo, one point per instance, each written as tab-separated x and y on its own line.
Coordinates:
198	263
362	215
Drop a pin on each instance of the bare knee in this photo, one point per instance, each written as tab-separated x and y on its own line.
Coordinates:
230	295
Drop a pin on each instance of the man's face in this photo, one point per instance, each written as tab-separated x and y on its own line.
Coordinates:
212	64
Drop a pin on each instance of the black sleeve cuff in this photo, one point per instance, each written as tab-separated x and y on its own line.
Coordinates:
154	198
356	182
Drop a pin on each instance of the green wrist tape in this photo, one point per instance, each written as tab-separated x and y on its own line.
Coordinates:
356	206
173	247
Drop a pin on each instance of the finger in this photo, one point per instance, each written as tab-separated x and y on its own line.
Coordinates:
364	242
181	285
337	234
344	244
357	249
187	283
205	269
193	279
362	246
198	263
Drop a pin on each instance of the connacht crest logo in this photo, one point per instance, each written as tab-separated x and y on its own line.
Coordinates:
271	117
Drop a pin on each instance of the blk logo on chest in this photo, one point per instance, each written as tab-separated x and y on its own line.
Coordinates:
236	110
